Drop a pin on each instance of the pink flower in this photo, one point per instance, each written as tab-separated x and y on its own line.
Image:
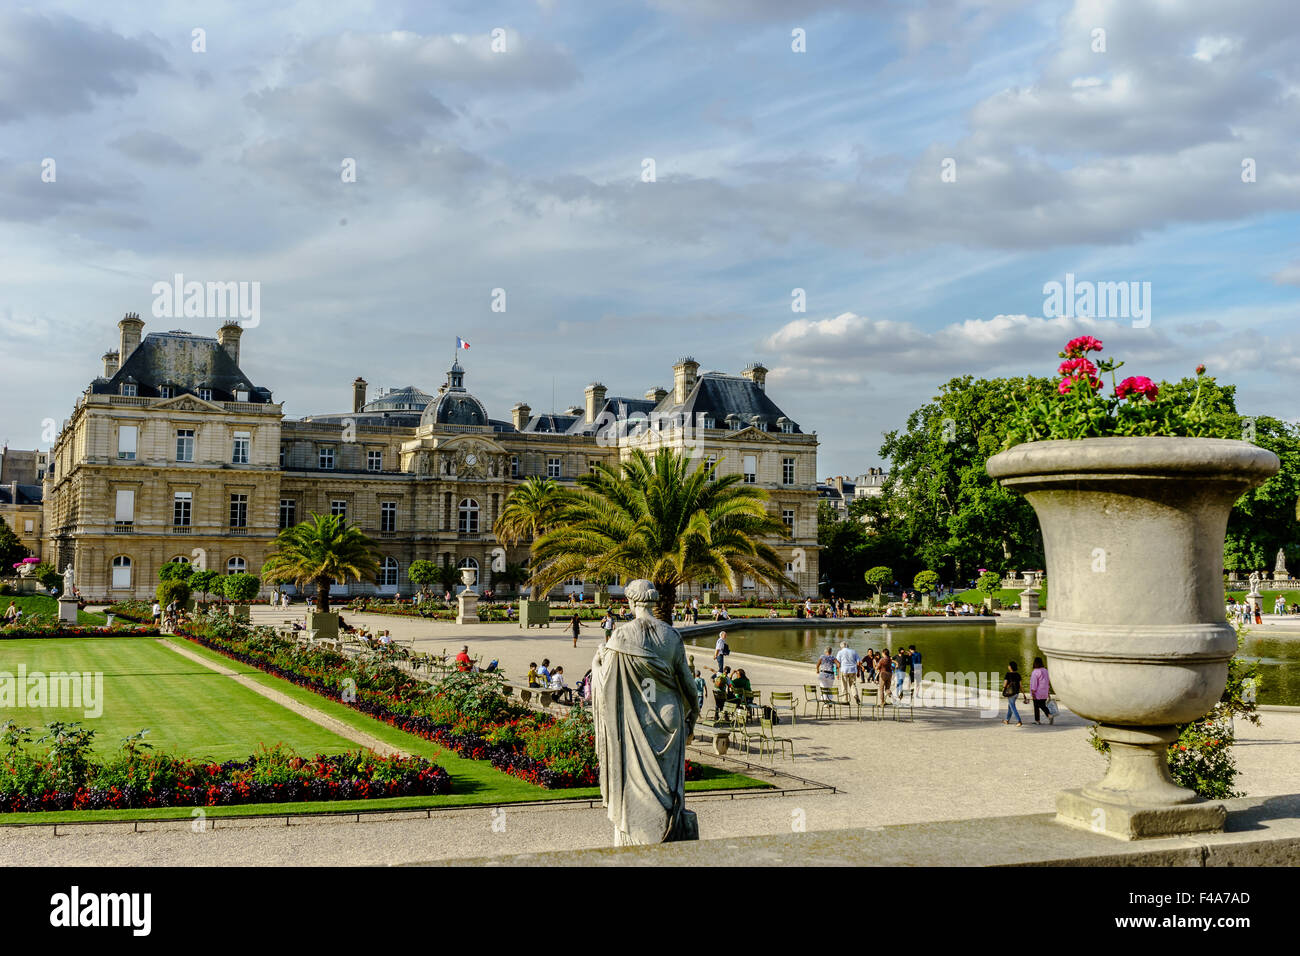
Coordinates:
1075	370
1077	347
1200	370
1136	385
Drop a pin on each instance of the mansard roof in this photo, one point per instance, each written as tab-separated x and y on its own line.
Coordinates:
183	361
720	395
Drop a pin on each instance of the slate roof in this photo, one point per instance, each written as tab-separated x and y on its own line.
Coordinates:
27	495
184	361
615	411
551	423
718	395
408	398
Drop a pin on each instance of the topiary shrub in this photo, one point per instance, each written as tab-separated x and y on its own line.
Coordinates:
173	590
240	588
175	571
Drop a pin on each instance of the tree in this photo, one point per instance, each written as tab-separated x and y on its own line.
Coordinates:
878	577
529	511
512	575
240	588
203	581
11	549
988	583
321	551
49	577
448	577
657	518
925	581
424	574
1264	519
175	571
173	589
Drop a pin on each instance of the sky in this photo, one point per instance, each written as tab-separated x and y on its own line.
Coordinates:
868	197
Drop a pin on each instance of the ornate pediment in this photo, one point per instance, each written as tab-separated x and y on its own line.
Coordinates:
188	403
751	433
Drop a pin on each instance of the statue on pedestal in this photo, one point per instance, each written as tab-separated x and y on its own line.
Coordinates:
1279	568
1255	580
645	708
69	580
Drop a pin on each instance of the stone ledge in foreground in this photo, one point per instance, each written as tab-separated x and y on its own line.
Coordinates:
1261	831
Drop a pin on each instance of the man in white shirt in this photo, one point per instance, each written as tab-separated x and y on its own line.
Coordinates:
848	660
720	649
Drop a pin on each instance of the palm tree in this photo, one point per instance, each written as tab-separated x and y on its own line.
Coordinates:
529	511
322	551
512	575
658	519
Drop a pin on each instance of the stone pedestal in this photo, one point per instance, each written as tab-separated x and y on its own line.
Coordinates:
1029	606
602	599
927	601
710	597
67	610
467	607
1254	601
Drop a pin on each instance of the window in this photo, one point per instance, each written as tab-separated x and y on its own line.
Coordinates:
241	394
127	388
239	511
339	508
326	457
126	438
282	456
388	573
239	455
179	559
236	565
747	584
185	444
787	471
205	394
514	466
711	463
29	526
388	516
552	468
288	512
787	515
787	426
121	571
374	461
468	517
124	510
750	463
706	420
164	391
182	503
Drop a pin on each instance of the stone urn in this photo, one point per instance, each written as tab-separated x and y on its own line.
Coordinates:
467	576
467	600
1135	638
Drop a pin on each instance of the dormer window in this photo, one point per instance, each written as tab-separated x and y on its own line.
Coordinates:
241	394
205	394
164	391
785	424
706	421
127	388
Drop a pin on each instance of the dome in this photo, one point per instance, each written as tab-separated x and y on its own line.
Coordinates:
405	399
454	404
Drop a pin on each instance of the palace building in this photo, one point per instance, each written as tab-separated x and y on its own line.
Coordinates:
174	454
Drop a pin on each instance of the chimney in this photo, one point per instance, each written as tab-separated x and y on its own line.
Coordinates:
228	335
655	394
110	364
358	394
595	400
756	372
684	375
131	327
519	416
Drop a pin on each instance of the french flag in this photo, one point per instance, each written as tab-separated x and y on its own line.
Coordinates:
461	343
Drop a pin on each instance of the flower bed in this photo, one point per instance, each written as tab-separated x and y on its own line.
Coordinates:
467	713
41	629
70	777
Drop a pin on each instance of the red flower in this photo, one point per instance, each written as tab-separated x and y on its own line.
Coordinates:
1076	348
1074	370
1136	385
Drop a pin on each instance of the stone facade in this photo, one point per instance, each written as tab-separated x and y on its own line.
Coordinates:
173	453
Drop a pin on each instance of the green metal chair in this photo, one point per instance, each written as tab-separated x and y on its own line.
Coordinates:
740	726
782	700
768	739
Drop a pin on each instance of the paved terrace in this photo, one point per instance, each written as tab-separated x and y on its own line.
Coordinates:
948	764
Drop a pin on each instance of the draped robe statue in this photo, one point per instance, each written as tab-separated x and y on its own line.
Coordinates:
645	708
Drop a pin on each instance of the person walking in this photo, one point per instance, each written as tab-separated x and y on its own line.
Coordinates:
721	650
902	670
849	660
1011	690
1040	689
577	626
884	667
826	672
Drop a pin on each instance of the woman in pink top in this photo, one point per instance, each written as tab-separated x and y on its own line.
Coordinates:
1040	688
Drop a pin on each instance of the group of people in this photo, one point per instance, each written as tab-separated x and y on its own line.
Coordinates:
168	617
953	609
543	677
13	614
1040	691
897	669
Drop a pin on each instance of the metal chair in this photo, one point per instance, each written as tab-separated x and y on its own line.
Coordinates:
767	738
782	700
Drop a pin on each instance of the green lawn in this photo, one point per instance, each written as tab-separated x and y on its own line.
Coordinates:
193	710
186	707
44	604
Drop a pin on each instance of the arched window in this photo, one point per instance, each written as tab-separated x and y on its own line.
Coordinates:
470	562
180	559
121	571
468	523
388	573
236	565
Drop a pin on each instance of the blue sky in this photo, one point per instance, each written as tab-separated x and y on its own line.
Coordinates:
775	170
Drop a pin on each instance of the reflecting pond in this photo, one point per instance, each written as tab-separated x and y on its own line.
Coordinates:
983	648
